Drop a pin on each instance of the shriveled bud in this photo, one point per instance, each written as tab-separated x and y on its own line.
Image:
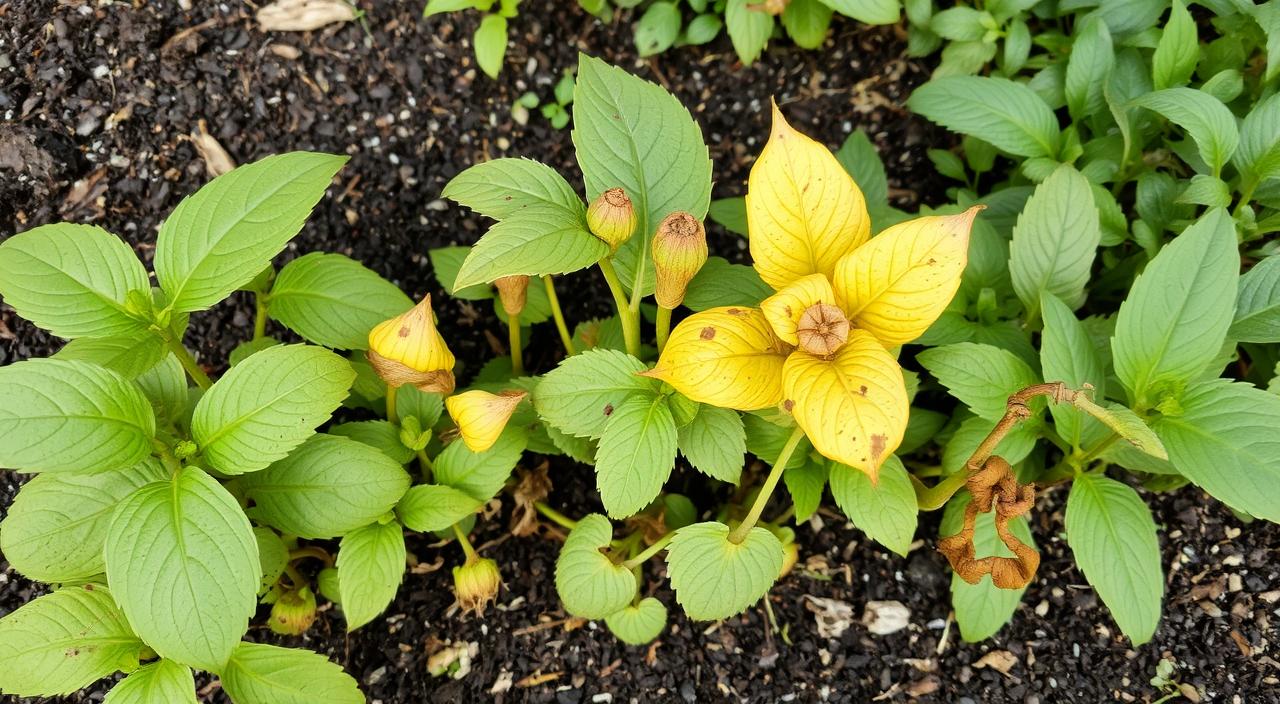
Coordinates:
481	416
512	291
822	329
679	251
408	349
293	613
476	584
612	218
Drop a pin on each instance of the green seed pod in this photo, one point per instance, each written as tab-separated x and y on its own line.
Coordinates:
293	613
612	218
679	251
476	584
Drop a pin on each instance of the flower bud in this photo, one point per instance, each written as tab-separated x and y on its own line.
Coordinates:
408	349
612	218
293	613
481	416
679	251
822	329
476	584
512	291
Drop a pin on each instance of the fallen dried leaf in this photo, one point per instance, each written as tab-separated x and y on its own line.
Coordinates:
216	159
1245	649
303	15
999	660
885	617
833	616
536	679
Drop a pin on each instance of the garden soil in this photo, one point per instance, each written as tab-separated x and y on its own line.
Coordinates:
103	108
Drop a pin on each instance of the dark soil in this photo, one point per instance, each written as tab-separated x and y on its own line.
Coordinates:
98	102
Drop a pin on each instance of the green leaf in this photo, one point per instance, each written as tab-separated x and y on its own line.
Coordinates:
222	236
423	405
867	11
63	641
961	24
437	6
1014	447
1177	52
1204	189
1173	322
632	134
730	213
579	395
373	560
481	474
806	22
432	507
658	28
715	578
749	28
1259	153
268	674
376	433
333	300
542	239
327	487
1068	355
589	583
719	283
805	483
981	376
1088	67
1008	115
886	511
63	416
129	357
1113	539
1225	442
200	566
982	609
447	262
703	28
503	188
636	455
161	682
491	44
1209	123
1267	16
714	442
1127	424
56	526
860	158
273	556
165	386
1258	304
72	280
267	405
640	623
1055	240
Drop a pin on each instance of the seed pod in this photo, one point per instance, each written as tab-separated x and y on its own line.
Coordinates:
481	416
476	584
822	329
512	291
679	251
612	218
408	349
293	613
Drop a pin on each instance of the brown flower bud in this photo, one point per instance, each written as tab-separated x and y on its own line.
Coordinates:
612	218
512	291
679	251
822	329
293	613
476	584
408	349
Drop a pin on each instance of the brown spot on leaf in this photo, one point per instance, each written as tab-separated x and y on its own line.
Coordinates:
404	331
735	311
608	409
707	333
878	442
788	405
862	390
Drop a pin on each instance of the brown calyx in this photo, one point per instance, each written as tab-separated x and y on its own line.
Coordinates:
822	329
439	381
994	487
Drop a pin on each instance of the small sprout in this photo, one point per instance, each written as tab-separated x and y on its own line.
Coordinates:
293	613
612	218
408	349
476	584
481	416
679	251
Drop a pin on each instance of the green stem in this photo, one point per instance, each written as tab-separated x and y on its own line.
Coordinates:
935	497
740	533
639	280
664	326
650	551
630	320
428	467
312	551
260	319
558	315
517	350
1098	449
1246	194
188	362
295	577
393	414
555	516
465	543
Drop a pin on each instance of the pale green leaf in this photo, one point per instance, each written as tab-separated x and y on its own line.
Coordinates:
640	623
1055	239
1209	123
165	386
373	560
1259	153
715	578
1177	52
447	262
1128	425
867	11
503	188
714	443
807	22
130	357
432	507
269	674
981	376
749	28
542	239
1088	67
333	300
579	395
376	433
161	682
658	28
805	483
885	510
636	455
1008	115
589	583
273	556
1258	304
481	474
1068	355
491	44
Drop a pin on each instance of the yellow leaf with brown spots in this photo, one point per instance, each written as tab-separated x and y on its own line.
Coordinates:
897	284
784	309
852	406
804	211
727	357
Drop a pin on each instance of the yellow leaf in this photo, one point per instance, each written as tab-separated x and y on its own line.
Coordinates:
897	284
853	406
804	211
784	308
727	357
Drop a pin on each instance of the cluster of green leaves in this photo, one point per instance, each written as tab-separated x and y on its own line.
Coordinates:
1129	158
556	111
489	42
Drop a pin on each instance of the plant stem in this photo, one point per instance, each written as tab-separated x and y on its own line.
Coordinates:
393	413
638	281
766	490
295	577
312	551
428	467
260	319
188	362
650	551
465	543
664	326
555	516
1098	449
630	320
935	497
556	313
513	339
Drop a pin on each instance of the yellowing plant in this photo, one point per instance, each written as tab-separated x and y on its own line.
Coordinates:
822	345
